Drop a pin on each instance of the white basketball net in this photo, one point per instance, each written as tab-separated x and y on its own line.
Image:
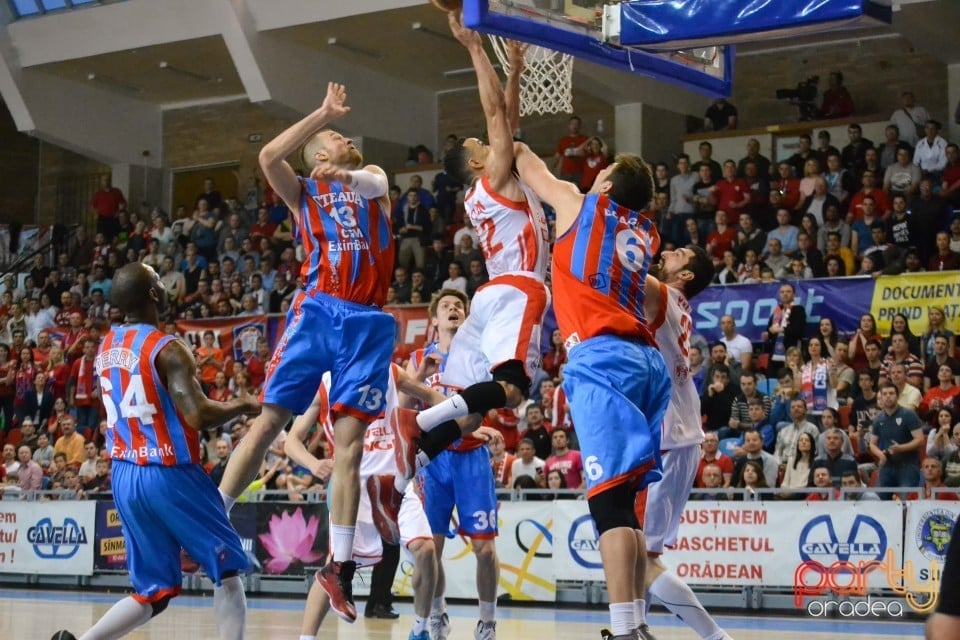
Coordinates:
546	83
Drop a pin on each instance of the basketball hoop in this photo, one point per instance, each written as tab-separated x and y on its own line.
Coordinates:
546	83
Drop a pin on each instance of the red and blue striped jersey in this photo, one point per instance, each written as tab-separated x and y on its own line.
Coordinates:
143	425
600	268
463	444
348	240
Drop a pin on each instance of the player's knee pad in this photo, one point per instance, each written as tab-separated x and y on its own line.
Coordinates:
513	372
160	605
613	509
484	396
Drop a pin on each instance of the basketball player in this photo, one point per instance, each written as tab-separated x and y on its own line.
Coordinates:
944	624
679	276
495	353
615	378
155	407
414	530
461	477
342	216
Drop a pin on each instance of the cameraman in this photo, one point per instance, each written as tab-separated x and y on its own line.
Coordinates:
837	102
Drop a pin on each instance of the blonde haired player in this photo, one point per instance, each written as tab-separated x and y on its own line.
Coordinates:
378	458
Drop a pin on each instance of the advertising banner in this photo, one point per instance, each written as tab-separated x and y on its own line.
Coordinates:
111	550
929	526
843	300
913	295
525	549
291	537
47	537
238	336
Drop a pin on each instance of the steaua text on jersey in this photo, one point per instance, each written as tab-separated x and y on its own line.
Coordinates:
599	273
143	425
348	240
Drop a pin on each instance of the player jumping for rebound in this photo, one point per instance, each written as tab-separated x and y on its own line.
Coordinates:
165	499
679	276
414	530
496	352
615	378
335	324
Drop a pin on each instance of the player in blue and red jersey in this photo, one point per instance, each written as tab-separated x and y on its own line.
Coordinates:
335	323
615	379
166	501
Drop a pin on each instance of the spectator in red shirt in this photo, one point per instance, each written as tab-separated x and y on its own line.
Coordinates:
785	189
722	239
710	454
556	356
837	102
569	165
595	159
944	259
951	176
257	364
107	201
83	392
880	199
262	228
732	193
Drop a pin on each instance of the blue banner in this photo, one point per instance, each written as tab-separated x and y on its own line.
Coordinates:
843	300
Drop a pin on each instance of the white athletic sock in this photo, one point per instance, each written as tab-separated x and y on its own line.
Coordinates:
308	637
621	618
450	409
342	542
121	619
488	611
439	606
228	502
419	624
640	611
681	601
230	608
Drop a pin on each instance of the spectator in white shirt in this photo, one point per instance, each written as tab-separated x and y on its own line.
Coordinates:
909	117
931	152
527	463
739	348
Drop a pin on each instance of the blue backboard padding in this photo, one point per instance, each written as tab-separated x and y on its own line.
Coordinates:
477	15
673	24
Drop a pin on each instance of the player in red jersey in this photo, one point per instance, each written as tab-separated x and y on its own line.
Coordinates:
342	218
615	377
155	407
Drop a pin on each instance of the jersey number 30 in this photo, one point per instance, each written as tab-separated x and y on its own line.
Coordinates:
133	404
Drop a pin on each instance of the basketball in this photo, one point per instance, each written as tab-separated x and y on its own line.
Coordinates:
448	5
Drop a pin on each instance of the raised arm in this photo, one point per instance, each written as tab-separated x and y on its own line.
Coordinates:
563	196
273	156
413	387
515	53
499	163
178	373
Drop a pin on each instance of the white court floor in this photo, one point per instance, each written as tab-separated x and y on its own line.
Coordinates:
35	615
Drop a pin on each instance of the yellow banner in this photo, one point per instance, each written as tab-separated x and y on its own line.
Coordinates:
913	295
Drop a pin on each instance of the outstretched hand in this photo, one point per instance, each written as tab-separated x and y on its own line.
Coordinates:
487	434
516	51
467	37
335	104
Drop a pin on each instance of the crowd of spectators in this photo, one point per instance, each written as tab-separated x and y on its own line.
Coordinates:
822	212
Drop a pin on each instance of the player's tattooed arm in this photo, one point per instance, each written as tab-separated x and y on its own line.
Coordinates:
178	373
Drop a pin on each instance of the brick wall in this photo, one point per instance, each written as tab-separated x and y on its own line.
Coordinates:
875	71
460	113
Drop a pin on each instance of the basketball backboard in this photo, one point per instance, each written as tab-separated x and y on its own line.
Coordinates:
577	27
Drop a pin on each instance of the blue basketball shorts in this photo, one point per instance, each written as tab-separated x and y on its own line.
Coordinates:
463	480
164	509
618	391
323	333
